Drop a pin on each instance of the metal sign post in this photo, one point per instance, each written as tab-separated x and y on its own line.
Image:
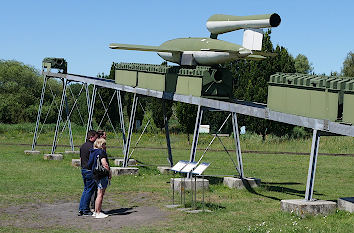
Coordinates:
197	172
188	171
177	168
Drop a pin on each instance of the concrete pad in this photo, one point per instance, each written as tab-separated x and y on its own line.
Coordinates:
302	207
76	162
197	211
238	183
117	171
184	209
165	170
346	203
32	152
172	206
72	152
53	157
119	162
188	183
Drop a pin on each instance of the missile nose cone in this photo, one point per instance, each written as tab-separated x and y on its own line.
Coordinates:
274	20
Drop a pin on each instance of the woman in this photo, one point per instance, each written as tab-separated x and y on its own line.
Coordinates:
99	153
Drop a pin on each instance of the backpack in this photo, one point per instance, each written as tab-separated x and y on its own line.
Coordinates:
99	171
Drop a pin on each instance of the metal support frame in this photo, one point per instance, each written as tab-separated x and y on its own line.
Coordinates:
68	119
198	121
63	96
312	165
167	134
34	142
90	108
130	130
121	119
237	145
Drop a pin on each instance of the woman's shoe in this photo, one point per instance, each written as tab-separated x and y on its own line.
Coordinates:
94	214
101	215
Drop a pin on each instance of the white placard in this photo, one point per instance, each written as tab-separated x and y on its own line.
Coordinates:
179	166
200	169
189	167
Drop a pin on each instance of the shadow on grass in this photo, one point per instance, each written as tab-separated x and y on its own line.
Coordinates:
199	205
271	187
120	211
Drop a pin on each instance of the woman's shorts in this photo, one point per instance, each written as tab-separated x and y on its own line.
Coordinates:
102	183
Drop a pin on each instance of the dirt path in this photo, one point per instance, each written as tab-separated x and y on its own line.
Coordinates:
64	215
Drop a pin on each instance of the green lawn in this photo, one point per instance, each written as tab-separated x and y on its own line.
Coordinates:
30	179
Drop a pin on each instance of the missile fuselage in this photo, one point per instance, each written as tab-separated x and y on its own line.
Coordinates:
204	50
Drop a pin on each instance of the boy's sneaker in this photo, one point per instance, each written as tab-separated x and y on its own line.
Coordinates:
93	214
101	215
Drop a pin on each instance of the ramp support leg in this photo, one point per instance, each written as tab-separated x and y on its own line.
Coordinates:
237	144
312	165
91	107
198	121
34	142
130	130
63	96
69	122
121	119
168	142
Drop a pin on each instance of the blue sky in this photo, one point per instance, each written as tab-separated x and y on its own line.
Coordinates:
80	31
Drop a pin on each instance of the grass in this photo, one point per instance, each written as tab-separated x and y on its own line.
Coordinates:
30	179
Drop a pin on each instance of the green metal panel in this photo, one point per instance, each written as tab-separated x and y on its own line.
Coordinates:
307	95
126	77
348	102
199	81
151	81
189	86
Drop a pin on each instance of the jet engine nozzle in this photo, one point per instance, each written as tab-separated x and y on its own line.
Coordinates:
218	24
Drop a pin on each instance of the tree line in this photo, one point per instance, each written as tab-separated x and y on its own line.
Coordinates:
21	86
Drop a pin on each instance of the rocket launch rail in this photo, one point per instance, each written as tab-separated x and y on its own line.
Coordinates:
237	106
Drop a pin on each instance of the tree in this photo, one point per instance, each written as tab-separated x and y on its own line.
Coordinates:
20	92
186	114
302	64
348	65
156	107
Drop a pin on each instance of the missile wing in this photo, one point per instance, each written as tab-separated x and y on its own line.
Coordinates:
140	48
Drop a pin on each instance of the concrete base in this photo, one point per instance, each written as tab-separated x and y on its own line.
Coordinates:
53	157
119	162
187	184
184	209
117	171
197	211
302	207
32	152
238	183
346	203
72	152
172	206
165	170
76	162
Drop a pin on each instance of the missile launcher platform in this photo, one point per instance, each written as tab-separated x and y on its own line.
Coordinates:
201	81
315	96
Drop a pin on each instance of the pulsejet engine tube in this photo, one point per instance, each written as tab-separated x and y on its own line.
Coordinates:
218	24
